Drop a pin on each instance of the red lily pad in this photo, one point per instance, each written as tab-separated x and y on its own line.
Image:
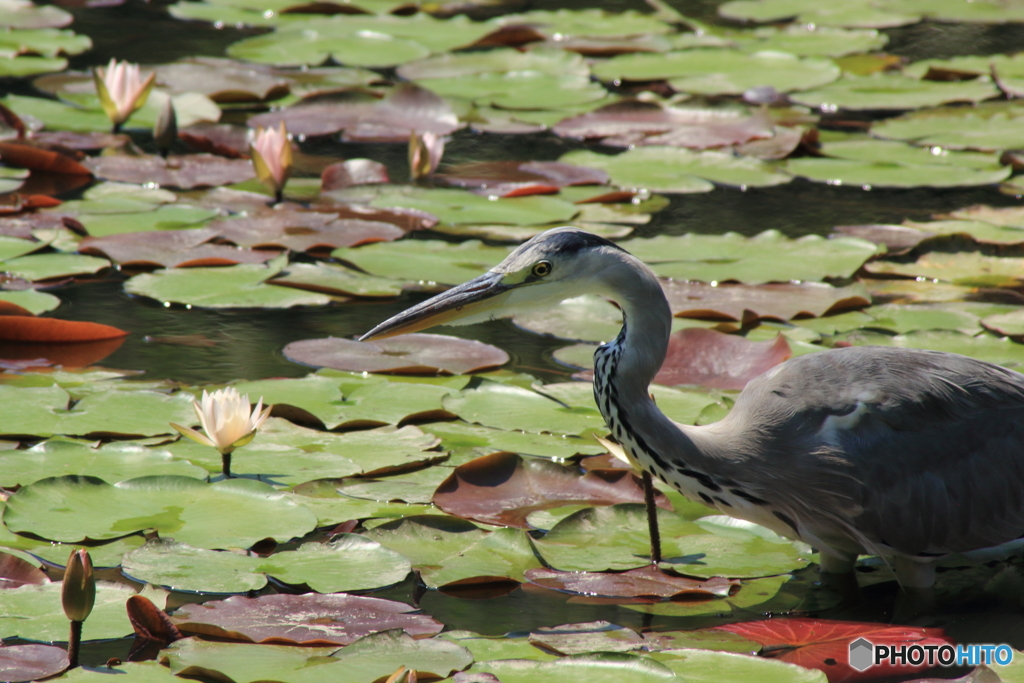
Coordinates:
635	123
749	303
504	488
646	581
408	108
353	172
31	662
720	361
409	354
21	329
825	644
170	248
38	158
221	139
301	230
153	628
184	172
517	178
16	572
311	619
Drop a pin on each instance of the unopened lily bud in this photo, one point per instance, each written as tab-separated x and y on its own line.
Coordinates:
78	592
165	131
272	157
425	152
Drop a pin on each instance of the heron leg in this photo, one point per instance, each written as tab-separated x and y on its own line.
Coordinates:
915	574
836	564
652	517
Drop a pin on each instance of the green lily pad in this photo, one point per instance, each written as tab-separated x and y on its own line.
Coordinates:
33	612
425	261
893	91
721	71
350	563
335	280
112	462
673	169
600	667
589	22
455	435
227	514
13	247
766	257
853	13
810	40
23	14
44	42
509	407
487	648
455	65
139	672
179	566
870	174
167	217
986	126
461	206
106	555
903	318
241	286
960	268
999	350
48	266
44	411
704	666
28	65
33	301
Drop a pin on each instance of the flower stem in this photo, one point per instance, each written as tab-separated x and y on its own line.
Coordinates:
278	196
74	641
225	462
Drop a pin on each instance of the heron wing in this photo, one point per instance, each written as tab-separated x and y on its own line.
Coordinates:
921	452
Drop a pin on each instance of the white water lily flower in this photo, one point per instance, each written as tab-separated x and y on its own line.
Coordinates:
272	157
226	419
121	89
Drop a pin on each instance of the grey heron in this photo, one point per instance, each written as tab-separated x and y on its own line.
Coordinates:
898	452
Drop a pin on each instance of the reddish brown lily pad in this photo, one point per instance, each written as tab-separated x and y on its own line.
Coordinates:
153	628
517	178
504	488
21	329
170	248
222	80
185	172
406	219
825	644
897	239
31	662
720	361
16	572
409	354
641	582
645	123
94	140
301	230
221	139
353	172
408	108
39	158
748	303
312	619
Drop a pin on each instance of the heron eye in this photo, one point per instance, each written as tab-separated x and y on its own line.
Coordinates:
542	268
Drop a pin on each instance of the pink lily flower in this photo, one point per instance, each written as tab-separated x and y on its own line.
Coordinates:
121	89
272	157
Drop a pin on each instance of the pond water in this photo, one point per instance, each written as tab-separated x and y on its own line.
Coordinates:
247	344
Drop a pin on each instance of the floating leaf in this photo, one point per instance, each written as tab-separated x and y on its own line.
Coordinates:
15	572
893	91
335	280
504	488
408	354
812	40
825	645
706	666
858	13
309	619
241	286
721	71
712	359
21	329
225	514
634	583
48	266
599	667
173	248
766	257
510	407
181	567
776	301
33	612
31	662
962	268
426	261
185	171
987	126
38	158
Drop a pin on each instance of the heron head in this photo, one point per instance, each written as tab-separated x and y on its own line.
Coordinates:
558	264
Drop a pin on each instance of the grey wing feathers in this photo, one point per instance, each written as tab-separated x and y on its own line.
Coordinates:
924	450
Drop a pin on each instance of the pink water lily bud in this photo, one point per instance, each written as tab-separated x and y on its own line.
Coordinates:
425	152
78	592
272	157
121	89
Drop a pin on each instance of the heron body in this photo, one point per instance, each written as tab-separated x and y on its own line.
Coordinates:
899	452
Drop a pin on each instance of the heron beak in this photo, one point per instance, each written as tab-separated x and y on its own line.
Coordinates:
474	298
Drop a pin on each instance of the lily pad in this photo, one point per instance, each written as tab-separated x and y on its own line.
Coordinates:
23	14
642	582
48	266
407	354
504	488
457	434
185	172
960	268
334	280
112	462
241	286
776	301
670	169
425	261
226	514
721	361
31	662
172	248
509	407
987	126
766	257
808	40
893	91
721	71
857	13
303	230
309	619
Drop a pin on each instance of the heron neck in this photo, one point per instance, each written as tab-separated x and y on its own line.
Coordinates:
625	367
